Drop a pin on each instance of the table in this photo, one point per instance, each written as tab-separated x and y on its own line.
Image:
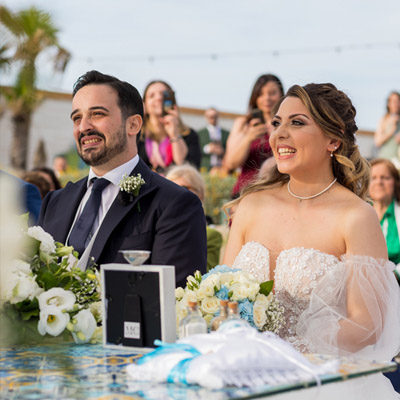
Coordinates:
70	371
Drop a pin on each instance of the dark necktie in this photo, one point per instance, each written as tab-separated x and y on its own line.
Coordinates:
79	236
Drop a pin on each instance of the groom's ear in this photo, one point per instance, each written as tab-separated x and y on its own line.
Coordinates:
133	124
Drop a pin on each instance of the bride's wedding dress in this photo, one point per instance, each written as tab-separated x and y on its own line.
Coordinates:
313	288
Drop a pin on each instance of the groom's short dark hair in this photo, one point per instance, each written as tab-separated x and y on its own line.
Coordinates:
129	100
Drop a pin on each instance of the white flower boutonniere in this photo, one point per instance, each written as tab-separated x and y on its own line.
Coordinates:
131	184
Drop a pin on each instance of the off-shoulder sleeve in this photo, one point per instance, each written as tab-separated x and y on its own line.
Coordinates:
355	310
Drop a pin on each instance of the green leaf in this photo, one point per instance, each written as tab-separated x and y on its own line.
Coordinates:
266	287
49	280
28	314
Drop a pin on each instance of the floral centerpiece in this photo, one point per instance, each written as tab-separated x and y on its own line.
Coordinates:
47	294
256	302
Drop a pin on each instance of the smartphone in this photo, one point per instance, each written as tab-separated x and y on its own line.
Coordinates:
168	102
256	113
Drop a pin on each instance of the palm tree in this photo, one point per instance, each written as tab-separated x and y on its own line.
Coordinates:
31	32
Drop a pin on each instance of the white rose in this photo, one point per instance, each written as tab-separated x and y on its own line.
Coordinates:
207	289
52	321
263	300
259	315
243	277
84	327
23	287
58	297
213	280
189	295
179	293
210	305
226	278
244	290
200	294
47	244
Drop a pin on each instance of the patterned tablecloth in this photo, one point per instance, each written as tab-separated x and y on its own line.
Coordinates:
70	371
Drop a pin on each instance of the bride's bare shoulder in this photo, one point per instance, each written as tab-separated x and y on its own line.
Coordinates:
361	228
259	198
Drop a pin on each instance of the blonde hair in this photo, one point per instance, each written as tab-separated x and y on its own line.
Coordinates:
191	175
334	113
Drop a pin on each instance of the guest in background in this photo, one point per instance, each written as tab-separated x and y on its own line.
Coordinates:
384	190
29	198
188	177
50	176
212	141
165	139
60	165
37	179
248	143
387	136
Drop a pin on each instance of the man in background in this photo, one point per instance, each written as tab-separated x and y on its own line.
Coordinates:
212	141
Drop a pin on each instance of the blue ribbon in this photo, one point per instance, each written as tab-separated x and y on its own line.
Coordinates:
165	348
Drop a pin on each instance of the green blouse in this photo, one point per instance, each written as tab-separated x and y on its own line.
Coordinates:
389	227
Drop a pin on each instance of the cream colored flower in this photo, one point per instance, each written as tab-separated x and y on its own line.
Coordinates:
189	295
209	305
96	309
259	315
263	299
226	278
243	277
207	289
244	290
52	321
179	293
213	280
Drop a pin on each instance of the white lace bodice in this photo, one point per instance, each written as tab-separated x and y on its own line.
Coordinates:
312	287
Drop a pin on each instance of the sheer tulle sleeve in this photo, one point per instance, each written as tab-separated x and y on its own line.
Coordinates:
355	310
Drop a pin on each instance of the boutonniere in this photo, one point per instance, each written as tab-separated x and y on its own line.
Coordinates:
130	185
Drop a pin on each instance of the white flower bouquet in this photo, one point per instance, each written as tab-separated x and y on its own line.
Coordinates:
256	302
48	294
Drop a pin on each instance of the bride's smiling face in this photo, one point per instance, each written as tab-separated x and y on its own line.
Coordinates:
297	141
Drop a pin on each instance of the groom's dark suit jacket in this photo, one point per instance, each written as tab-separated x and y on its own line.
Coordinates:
164	218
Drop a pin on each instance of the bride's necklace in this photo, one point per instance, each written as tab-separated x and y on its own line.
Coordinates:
300	198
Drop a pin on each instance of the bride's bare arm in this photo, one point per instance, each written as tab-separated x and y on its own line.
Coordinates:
363	236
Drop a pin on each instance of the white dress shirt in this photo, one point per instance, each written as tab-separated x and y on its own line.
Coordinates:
108	196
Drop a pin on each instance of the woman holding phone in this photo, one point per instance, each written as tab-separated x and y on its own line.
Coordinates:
165	140
248	142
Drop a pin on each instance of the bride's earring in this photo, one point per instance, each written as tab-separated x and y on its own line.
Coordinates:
333	151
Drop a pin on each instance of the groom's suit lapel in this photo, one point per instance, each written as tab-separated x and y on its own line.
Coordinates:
120	209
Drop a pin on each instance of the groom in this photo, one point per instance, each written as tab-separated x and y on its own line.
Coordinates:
159	216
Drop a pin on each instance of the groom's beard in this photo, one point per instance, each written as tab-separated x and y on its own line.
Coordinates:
106	151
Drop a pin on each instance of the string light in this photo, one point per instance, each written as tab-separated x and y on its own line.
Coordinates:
338	49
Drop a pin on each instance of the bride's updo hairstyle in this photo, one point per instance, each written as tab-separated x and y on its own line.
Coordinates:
333	111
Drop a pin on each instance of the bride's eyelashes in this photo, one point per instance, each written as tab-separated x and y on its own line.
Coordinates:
295	122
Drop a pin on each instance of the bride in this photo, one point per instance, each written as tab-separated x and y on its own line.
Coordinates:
308	226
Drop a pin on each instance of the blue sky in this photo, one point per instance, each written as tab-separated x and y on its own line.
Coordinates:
354	44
